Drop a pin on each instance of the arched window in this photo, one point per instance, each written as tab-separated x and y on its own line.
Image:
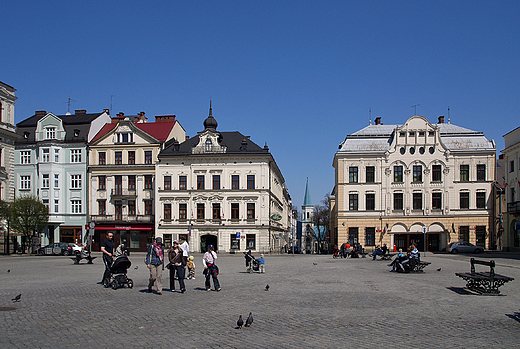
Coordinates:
209	144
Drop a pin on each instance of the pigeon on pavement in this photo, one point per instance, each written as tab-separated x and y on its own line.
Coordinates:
314	263
240	322
8	270
267	287
17	298
439	269
136	267
249	320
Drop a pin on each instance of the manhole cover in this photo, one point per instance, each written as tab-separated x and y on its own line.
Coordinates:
7	308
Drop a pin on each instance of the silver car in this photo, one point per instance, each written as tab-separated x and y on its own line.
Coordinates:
464	247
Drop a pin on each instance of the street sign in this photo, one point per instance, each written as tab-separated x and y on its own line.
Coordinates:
238	235
424	229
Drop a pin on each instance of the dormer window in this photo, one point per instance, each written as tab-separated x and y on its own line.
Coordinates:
50	133
76	133
125	137
26	135
412	134
208	145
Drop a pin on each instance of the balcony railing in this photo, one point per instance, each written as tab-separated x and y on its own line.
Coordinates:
122	193
513	207
122	218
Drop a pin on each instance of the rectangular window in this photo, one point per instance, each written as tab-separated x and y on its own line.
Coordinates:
234	211
167	183
46	203
251	241
436	201
464	173
75	155
417	201
148	182
50	133
102	207
200	182
200	211
183	183
353	202
398	201
398	174
148	207
370	236
131	207
353	235
235	183
131	182
183	211
56	155
216	211
102	158
56	181
481	199
118	157
45	181
167	211
464	233
250	181
216	182
250	211
46	155
464	199
353	174
25	182
512	166
118	185
148	157
25	157
235	243
56	206
481	172
131	157
417	173
102	182
370	174
75	206
436	173
75	181
370	202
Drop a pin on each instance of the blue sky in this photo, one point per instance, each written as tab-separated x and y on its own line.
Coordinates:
299	75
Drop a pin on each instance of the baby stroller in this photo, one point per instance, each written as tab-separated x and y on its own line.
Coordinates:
118	271
251	263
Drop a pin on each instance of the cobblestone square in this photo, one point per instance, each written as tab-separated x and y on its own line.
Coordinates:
314	301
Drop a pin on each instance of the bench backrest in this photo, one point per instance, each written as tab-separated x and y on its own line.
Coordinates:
490	264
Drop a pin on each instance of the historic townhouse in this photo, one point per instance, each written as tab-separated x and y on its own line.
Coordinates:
51	163
511	187
122	177
417	182
220	188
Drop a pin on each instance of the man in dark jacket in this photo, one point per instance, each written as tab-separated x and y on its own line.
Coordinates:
107	247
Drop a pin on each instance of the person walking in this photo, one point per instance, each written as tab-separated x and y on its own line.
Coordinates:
185	249
107	247
210	268
177	266
155	262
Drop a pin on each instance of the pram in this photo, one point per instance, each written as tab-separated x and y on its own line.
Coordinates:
118	271
251	263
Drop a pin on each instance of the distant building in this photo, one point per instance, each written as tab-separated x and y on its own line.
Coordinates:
511	180
431	184
221	189
7	138
307	223
122	159
51	164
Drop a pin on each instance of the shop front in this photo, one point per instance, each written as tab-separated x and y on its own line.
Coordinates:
135	238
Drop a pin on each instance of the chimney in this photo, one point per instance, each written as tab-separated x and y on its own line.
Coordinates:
106	110
187	137
40	113
119	116
441	119
164	118
80	111
140	118
378	120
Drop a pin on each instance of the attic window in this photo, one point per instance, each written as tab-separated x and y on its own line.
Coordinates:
421	133
209	144
50	133
26	135
412	134
76	133
402	134
431	133
125	138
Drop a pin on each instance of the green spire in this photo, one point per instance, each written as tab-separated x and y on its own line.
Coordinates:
307	200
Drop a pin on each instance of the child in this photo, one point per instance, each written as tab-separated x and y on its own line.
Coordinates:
191	268
261	264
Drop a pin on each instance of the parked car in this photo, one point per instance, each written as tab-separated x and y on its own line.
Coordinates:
76	248
464	247
295	250
57	248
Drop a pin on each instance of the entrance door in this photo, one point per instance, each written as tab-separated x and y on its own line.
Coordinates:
433	242
400	241
480	235
206	240
418	239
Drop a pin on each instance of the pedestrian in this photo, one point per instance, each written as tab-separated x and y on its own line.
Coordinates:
107	247
191	268
177	266
210	268
185	249
261	264
155	262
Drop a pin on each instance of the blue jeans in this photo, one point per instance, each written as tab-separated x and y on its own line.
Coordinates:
377	253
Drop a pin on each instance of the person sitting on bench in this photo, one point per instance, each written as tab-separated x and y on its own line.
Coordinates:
412	259
400	257
380	251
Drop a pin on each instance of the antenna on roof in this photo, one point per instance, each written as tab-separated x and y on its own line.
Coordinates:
415	108
111	97
68	104
448	114
370	116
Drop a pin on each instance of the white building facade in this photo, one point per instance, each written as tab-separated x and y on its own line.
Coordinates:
7	139
511	184
423	183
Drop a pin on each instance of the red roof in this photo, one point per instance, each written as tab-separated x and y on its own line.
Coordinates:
158	130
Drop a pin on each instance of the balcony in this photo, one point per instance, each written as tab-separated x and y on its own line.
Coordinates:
120	193
120	218
513	207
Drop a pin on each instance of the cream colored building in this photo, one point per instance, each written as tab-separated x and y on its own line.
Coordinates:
511	237
417	182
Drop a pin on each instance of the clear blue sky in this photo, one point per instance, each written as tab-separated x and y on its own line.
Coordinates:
299	75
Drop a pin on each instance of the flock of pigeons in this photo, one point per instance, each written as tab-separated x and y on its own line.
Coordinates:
249	321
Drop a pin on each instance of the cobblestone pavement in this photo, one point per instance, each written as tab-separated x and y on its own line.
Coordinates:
314	301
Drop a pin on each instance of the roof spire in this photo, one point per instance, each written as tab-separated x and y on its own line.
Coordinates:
210	122
210	110
307	199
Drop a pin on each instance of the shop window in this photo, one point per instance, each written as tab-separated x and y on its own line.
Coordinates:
235	243
135	239
353	236
251	241
464	233
370	236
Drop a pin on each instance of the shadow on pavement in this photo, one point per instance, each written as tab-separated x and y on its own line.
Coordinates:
515	316
460	290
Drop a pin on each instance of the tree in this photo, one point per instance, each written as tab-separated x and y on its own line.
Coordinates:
28	214
321	220
5	215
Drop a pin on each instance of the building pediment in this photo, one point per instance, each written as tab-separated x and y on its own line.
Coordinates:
209	143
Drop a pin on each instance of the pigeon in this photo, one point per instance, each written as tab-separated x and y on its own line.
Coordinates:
249	320
439	269
136	267
240	322
314	263
267	287
17	299
8	270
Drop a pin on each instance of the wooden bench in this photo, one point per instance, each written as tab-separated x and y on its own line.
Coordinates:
78	258
414	266
485	283
387	257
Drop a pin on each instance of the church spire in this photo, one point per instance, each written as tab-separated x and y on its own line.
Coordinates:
307	199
